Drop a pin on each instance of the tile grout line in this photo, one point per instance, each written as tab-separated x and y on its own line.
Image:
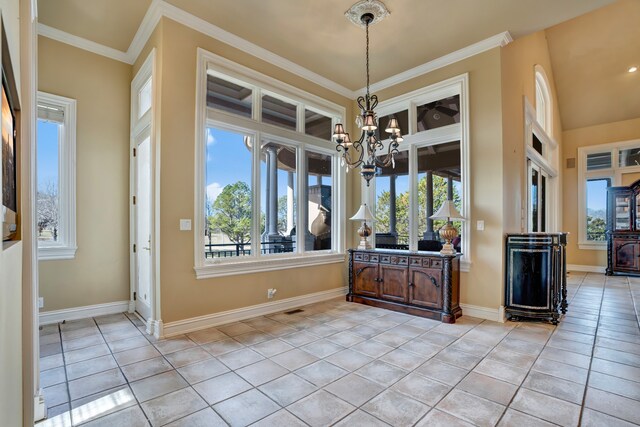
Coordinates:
508	406
593	346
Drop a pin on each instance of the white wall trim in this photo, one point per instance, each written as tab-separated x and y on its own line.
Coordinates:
499	40
159	9
55	316
586	268
493	314
82	43
215	319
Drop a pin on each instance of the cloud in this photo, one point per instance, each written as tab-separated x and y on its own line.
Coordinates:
210	139
213	191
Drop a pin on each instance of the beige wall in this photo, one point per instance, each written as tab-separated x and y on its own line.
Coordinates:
482	285
518	80
11	334
182	295
100	272
572	140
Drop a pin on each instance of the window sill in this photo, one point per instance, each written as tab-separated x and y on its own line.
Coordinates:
53	253
593	246
211	270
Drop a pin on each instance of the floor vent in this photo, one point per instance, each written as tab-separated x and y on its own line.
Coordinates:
296	311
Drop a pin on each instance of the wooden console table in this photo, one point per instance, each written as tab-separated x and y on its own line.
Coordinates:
425	284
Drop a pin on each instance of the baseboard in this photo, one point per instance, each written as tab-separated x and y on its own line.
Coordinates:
55	316
586	268
493	314
207	321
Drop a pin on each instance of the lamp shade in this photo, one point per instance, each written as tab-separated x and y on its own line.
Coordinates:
447	211
338	131
369	122
363	214
393	126
347	140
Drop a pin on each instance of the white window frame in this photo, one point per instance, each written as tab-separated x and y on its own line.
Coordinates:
413	140
66	246
614	173
211	64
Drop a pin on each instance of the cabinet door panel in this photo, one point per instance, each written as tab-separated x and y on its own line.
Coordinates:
425	287
393	283
626	254
365	279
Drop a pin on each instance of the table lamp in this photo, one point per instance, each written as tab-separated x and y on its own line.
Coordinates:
448	232
363	215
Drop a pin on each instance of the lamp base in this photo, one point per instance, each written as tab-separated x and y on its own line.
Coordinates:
448	249
448	233
364	244
364	232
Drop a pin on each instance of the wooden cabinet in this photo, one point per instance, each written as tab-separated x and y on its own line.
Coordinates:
421	283
623	230
536	284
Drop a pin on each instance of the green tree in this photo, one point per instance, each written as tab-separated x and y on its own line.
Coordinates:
402	206
231	212
595	228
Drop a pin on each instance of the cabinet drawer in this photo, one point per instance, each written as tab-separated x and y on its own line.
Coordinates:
432	262
359	256
394	259
415	262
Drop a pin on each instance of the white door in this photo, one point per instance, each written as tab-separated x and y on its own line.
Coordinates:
143	211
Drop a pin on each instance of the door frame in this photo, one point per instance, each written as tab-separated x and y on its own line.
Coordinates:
140	125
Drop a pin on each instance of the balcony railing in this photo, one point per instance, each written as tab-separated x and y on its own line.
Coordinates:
226	250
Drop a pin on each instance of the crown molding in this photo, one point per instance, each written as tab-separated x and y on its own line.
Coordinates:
499	40
146	28
81	43
207	28
160	8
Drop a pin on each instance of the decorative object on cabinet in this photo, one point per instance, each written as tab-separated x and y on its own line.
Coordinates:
623	230
536	276
448	232
364	214
419	283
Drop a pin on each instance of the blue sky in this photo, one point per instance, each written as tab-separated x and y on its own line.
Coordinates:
229	161
597	194
47	154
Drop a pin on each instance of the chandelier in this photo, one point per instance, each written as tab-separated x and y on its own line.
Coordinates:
368	152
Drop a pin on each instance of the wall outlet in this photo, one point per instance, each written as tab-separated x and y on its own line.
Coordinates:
480	225
40	302
271	292
185	225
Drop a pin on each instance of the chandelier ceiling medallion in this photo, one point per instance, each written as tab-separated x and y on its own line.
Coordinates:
368	151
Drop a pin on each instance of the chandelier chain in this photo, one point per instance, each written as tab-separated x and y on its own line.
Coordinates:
367	62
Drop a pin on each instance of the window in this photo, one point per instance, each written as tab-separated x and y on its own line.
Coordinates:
543	100
269	187
600	167
392	204
432	168
56	187
597	208
541	156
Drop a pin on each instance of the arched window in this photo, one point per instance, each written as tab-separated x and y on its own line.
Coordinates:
543	100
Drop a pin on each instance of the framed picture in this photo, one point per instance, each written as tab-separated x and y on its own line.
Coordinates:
8	106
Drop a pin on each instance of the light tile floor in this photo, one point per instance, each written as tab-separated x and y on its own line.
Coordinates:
349	364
